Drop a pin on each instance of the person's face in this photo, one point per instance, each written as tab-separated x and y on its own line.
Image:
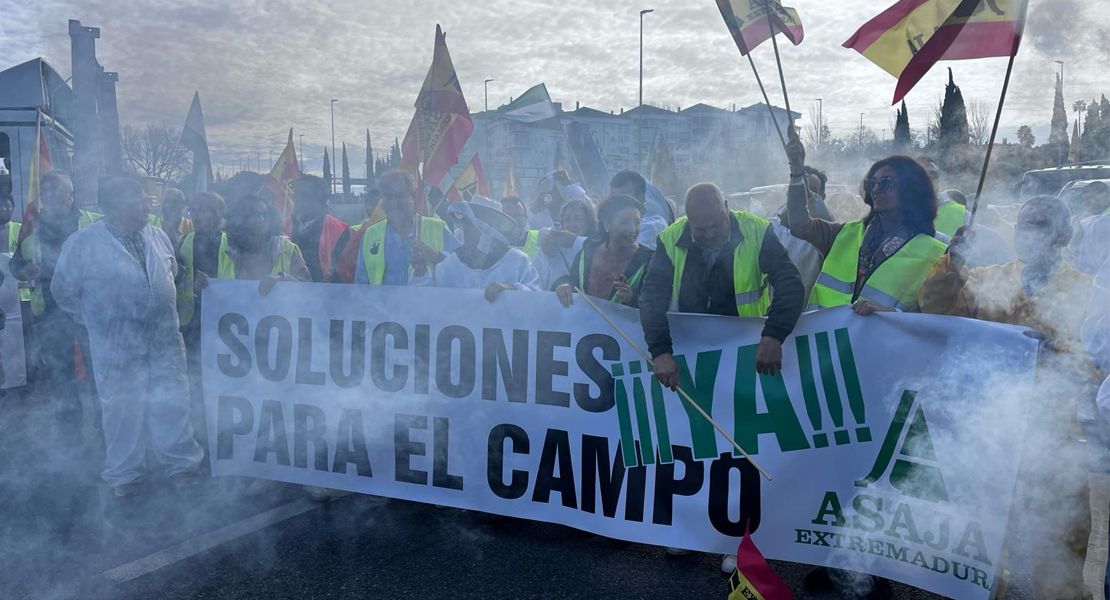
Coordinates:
257	224
6	209
627	189
306	206
205	218
519	216
1036	240
132	211
55	197
885	190
470	233
814	184
708	223
576	221
624	227
398	208
171	211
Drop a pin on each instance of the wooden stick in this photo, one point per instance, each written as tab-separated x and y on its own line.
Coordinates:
682	393
778	61
767	101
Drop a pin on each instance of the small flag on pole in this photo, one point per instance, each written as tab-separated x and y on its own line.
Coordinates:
278	185
753	578
747	21
40	163
470	182
908	38
194	138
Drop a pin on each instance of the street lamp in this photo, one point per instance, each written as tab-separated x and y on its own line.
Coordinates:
485	88
861	131
640	119
332	182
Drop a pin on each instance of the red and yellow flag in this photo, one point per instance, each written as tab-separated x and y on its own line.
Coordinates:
908	38
279	183
440	126
747	22
753	578
470	182
40	163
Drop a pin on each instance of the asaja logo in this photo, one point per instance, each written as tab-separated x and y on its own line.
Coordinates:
907	457
644	419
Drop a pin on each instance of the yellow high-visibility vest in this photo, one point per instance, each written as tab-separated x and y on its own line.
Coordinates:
429	230
13	245
753	296
950	217
32	252
532	243
894	284
283	262
186	297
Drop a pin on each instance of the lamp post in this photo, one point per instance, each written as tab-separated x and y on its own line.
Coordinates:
861	131
640	116
331	184
485	88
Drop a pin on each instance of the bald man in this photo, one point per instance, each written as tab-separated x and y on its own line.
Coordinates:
719	262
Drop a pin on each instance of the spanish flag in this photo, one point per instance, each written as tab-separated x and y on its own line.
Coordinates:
753	578
470	182
440	126
907	39
747	22
278	185
40	163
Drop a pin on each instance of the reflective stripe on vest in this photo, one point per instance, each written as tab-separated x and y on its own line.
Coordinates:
950	217
32	252
186	298
429	230
532	243
894	284
750	284
225	267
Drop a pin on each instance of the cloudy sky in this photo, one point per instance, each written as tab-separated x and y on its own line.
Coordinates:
262	66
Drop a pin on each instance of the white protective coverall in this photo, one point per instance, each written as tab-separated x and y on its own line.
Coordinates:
138	355
513	269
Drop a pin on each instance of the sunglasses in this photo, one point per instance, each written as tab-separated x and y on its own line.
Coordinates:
884	183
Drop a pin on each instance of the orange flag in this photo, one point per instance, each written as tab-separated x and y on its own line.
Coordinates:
40	163
470	182
279	183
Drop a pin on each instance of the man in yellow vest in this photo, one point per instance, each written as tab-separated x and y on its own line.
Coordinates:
528	240
951	212
7	207
390	248
718	262
54	331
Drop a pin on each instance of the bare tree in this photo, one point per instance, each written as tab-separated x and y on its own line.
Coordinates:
154	150
979	121
817	129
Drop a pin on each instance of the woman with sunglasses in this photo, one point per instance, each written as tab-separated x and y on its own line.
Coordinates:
876	263
612	265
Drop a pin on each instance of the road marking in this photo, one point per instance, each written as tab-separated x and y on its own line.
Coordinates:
188	548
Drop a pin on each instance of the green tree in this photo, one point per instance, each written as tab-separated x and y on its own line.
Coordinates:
327	169
952	126
1025	137
369	160
346	176
1058	134
903	139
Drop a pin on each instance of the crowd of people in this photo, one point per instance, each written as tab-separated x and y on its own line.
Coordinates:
118	295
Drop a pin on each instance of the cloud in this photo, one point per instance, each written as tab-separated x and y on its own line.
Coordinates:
262	66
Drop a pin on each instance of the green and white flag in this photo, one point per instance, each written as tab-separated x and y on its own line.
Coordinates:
533	105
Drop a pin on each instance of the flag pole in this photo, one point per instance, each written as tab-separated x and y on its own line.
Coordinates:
990	144
766	100
778	61
998	115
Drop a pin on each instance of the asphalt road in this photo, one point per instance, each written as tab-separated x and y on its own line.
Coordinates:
64	535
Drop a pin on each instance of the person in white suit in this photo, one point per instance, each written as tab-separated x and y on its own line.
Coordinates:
117	278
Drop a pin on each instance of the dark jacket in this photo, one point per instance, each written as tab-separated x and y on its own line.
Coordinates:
587	253
711	291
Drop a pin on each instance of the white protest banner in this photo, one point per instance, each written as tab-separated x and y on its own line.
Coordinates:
893	440
12	349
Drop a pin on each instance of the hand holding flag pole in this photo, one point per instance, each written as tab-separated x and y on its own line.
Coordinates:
682	393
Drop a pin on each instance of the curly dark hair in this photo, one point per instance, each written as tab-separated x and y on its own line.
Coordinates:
610	207
915	190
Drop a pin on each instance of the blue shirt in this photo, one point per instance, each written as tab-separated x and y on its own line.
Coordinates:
398	252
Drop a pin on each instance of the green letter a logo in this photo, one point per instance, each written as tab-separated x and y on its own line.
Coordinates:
915	471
